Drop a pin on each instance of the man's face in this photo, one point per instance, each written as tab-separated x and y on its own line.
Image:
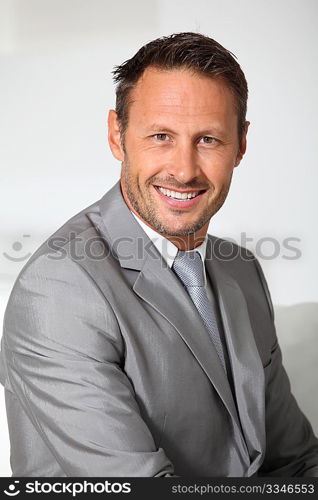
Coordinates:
181	145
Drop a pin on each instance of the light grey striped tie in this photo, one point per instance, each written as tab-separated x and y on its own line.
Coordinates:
188	266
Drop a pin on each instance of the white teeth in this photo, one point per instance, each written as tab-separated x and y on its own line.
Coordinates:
177	195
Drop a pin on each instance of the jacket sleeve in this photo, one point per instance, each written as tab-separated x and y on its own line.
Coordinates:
64	360
291	447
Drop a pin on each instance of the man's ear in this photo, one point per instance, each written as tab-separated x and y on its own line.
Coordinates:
243	145
114	136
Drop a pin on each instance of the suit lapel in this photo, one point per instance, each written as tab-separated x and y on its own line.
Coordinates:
247	368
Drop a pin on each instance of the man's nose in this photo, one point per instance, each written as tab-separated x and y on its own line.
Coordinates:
184	165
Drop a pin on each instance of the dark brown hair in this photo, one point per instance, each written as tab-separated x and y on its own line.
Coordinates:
192	51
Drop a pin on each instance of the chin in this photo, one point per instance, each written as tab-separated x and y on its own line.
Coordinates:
184	230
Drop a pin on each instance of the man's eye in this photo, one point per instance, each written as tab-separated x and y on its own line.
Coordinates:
161	137
208	140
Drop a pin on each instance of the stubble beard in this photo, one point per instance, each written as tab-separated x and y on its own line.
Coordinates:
146	210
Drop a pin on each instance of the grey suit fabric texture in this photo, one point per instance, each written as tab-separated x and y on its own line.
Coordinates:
109	369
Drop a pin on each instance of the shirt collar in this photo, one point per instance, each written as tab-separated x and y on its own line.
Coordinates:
165	247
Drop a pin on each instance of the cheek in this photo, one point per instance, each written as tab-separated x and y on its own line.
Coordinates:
217	163
145	163
219	175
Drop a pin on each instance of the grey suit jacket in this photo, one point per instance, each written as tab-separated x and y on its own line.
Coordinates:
109	371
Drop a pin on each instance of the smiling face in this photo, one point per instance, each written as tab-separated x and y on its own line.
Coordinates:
181	145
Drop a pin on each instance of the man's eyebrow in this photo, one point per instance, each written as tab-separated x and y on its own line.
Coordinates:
157	127
212	130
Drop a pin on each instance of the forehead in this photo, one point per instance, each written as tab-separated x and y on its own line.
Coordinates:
182	93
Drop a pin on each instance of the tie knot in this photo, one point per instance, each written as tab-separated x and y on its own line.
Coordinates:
188	266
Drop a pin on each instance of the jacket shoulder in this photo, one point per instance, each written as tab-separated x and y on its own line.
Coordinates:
73	233
227	250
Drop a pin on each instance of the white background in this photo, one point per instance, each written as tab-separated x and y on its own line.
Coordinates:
55	90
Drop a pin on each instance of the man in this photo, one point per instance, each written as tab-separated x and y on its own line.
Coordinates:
134	343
